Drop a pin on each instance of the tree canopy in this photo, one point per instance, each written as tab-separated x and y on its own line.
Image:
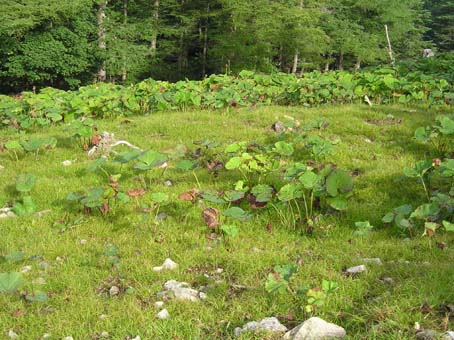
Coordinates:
66	44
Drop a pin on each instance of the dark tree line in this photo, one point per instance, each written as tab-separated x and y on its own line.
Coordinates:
66	44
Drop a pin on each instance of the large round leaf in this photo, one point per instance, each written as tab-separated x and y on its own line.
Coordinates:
10	282
338	182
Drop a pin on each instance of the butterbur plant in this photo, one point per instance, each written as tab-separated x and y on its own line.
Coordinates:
329	186
24	184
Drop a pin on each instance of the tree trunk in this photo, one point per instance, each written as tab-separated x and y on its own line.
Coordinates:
295	62
357	65
389	48
102	37
154	38
340	61
125	20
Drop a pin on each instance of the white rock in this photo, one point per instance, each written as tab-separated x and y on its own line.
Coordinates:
103	317
25	269
270	325
315	329
46	336
376	260
66	163
68	338
219	270
449	335
202	296
182	290
159	304
2	167
164	314
6	212
114	290
12	334
136	338
83	241
167	265
104	334
58	259
356	269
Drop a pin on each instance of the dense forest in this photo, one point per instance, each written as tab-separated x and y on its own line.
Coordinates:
66	44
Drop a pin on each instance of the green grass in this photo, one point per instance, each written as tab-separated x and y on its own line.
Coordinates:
366	308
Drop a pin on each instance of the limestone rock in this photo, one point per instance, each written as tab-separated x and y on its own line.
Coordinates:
268	325
315	329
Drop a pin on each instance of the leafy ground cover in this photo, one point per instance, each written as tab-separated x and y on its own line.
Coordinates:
255	262
382	85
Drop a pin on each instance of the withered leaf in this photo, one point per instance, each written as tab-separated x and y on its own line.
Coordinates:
190	195
210	215
135	192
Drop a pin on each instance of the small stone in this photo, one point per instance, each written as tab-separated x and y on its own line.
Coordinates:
58	259
159	304
202	296
104	334
114	290
103	317
136	338
46	336
428	334
167	265
376	260
164	314
387	280
355	270
6	212
12	334
2	167
315	329
66	163
40	281
278	127
83	241
68	338
219	270
270	325
168	183
25	269
182	291
161	217
449	335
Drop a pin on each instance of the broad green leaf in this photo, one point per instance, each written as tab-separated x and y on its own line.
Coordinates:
127	156
25	182
212	196
275	285
448	226
283	148
13	145
230	230
186	165
236	213
329	286
287	271
262	193
290	192
233	195
159	197
388	218
37	296
309	180
425	210
234	163
338	182
10	282
150	159
338	203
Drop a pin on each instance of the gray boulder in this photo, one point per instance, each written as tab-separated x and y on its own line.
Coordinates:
315	329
